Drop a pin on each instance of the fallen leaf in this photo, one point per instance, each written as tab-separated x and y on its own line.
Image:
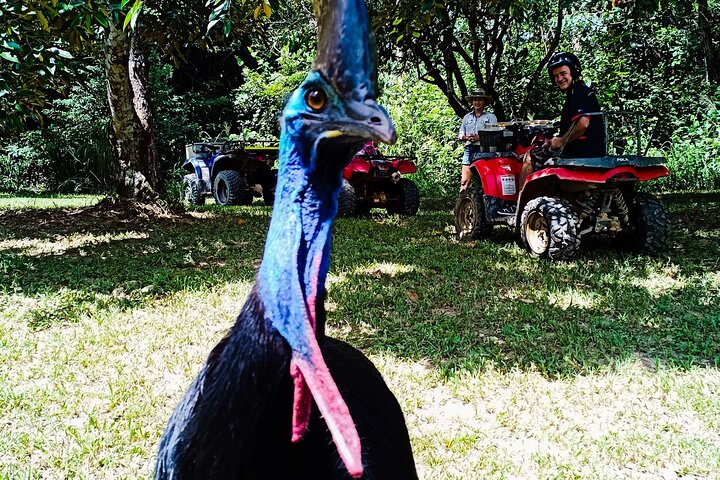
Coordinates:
412	296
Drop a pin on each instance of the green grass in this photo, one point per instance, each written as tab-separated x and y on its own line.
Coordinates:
505	366
9	201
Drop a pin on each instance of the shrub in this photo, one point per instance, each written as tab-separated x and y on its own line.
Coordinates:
426	128
24	165
259	101
71	152
80	155
694	152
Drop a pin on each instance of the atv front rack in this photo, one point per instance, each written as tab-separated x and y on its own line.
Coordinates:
608	161
205	149
490	155
386	157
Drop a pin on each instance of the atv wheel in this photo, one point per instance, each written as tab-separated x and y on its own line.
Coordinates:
362	209
346	200
231	189
549	228
268	188
650	223
470	222
268	195
408	199
191	194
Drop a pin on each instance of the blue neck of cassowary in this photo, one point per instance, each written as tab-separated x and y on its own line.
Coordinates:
297	252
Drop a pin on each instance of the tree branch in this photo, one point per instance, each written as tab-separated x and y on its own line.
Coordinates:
541	65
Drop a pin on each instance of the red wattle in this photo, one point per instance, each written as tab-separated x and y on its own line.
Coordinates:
333	408
301	403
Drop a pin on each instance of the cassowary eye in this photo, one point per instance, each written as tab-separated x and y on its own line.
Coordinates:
316	99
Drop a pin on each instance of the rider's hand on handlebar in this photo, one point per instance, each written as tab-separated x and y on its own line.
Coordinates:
556	142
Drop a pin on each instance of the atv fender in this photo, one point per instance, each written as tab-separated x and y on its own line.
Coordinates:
404	166
356	165
201	171
498	176
548	181
189	165
227	162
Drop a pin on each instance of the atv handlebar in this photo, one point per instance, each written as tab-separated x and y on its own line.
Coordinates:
387	157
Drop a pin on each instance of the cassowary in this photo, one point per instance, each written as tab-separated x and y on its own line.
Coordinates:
276	398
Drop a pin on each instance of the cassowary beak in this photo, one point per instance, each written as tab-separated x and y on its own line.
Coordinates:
346	58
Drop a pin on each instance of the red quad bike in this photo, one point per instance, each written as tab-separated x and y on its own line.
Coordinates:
564	201
374	180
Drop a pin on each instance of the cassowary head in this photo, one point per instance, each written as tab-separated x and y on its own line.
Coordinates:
325	121
334	111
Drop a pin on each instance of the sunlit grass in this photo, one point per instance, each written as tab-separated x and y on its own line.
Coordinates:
505	366
58	245
9	201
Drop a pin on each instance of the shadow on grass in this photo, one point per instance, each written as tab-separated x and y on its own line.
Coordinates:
406	287
465	306
76	262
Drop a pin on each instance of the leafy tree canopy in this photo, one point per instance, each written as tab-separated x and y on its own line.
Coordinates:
45	44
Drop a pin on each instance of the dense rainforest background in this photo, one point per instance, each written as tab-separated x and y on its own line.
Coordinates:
102	96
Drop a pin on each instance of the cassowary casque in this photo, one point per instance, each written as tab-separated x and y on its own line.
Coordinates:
276	398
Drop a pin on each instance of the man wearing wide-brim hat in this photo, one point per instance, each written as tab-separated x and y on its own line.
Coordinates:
475	120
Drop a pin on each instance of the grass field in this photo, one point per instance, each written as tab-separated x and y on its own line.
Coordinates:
12	202
506	367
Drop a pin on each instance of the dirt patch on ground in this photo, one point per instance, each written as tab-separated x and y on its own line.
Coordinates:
106	216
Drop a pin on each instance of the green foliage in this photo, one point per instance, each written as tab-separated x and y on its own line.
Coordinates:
80	155
33	58
260	100
72	152
645	56
24	166
222	14
460	45
39	45
645	63
694	153
204	114
427	129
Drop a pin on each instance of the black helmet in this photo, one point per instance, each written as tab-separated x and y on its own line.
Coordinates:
564	58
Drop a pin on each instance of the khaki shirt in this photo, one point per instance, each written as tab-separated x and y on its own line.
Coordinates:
471	124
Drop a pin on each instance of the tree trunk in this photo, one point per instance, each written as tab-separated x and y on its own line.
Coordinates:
712	62
140	81
138	172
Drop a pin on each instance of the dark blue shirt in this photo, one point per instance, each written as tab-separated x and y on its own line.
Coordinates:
581	99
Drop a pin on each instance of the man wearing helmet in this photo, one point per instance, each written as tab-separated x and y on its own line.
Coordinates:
581	135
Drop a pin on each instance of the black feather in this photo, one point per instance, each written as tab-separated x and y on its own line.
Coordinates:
234	421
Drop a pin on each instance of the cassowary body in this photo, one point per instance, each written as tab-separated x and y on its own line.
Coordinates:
276	398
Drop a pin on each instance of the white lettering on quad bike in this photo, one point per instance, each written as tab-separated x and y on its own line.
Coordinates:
508	184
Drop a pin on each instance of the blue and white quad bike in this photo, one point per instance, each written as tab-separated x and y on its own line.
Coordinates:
232	172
